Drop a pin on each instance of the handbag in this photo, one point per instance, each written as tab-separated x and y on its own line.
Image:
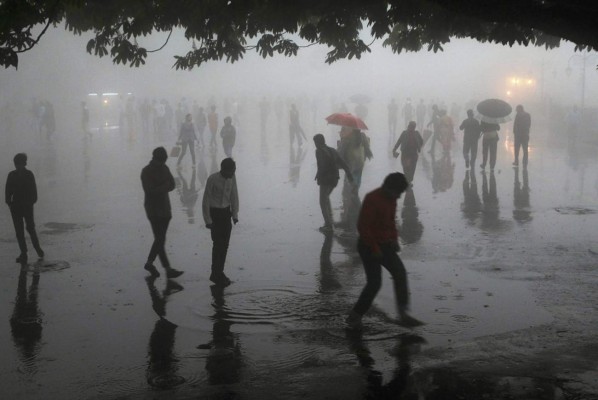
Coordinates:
492	135
175	151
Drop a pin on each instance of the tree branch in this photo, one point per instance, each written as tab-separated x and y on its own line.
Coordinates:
164	45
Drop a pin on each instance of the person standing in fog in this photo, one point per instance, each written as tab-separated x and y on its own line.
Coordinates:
85	120
187	138
435	122
411	143
407	111
420	113
295	130
378	247
471	134
521	125
21	195
393	114
228	135
157	182
213	125
220	205
327	176
201	121
489	143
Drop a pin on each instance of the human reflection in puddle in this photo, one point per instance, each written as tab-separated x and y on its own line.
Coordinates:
521	211
224	361
189	194
442	173
472	204
163	363
402	385
214	167
202	170
411	228
297	155
86	158
490	207
264	148
26	322
328	278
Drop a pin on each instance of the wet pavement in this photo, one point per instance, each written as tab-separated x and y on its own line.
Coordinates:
502	268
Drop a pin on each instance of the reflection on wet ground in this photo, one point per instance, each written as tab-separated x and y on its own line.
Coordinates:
500	266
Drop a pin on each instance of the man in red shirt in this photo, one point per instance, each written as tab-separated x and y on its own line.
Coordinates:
378	247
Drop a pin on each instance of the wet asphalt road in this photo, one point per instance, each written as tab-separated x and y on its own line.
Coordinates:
502	269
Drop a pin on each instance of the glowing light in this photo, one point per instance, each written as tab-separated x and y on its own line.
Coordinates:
109	94
92	94
509	93
529	81
105	101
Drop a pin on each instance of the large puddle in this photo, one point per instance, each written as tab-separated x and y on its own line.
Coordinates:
85	323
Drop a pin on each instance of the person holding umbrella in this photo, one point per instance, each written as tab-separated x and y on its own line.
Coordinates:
492	113
489	143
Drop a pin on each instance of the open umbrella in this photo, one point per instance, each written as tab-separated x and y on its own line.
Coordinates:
346	119
494	111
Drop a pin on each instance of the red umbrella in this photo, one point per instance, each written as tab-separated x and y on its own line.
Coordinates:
346	119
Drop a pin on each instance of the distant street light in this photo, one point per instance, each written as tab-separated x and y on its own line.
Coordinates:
582	59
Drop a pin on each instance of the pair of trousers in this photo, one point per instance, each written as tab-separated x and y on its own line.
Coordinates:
325	205
159	228
228	150
521	142
409	162
489	146
184	146
373	274
220	232
22	218
470	151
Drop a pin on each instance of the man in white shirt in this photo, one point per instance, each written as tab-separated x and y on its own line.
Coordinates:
221	205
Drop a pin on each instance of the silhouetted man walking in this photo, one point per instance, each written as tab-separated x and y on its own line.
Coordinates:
471	134
329	161
378	247
21	195
157	182
220	205
521	126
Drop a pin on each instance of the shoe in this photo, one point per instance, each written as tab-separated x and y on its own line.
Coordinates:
515	164
326	228
353	321
149	267
225	281
482	166
40	254
220	279
22	258
172	273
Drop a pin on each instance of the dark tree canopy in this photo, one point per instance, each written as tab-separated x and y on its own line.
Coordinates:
227	29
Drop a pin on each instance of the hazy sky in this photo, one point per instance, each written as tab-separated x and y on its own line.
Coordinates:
59	66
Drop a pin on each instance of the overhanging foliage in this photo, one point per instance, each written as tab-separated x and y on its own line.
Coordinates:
227	29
